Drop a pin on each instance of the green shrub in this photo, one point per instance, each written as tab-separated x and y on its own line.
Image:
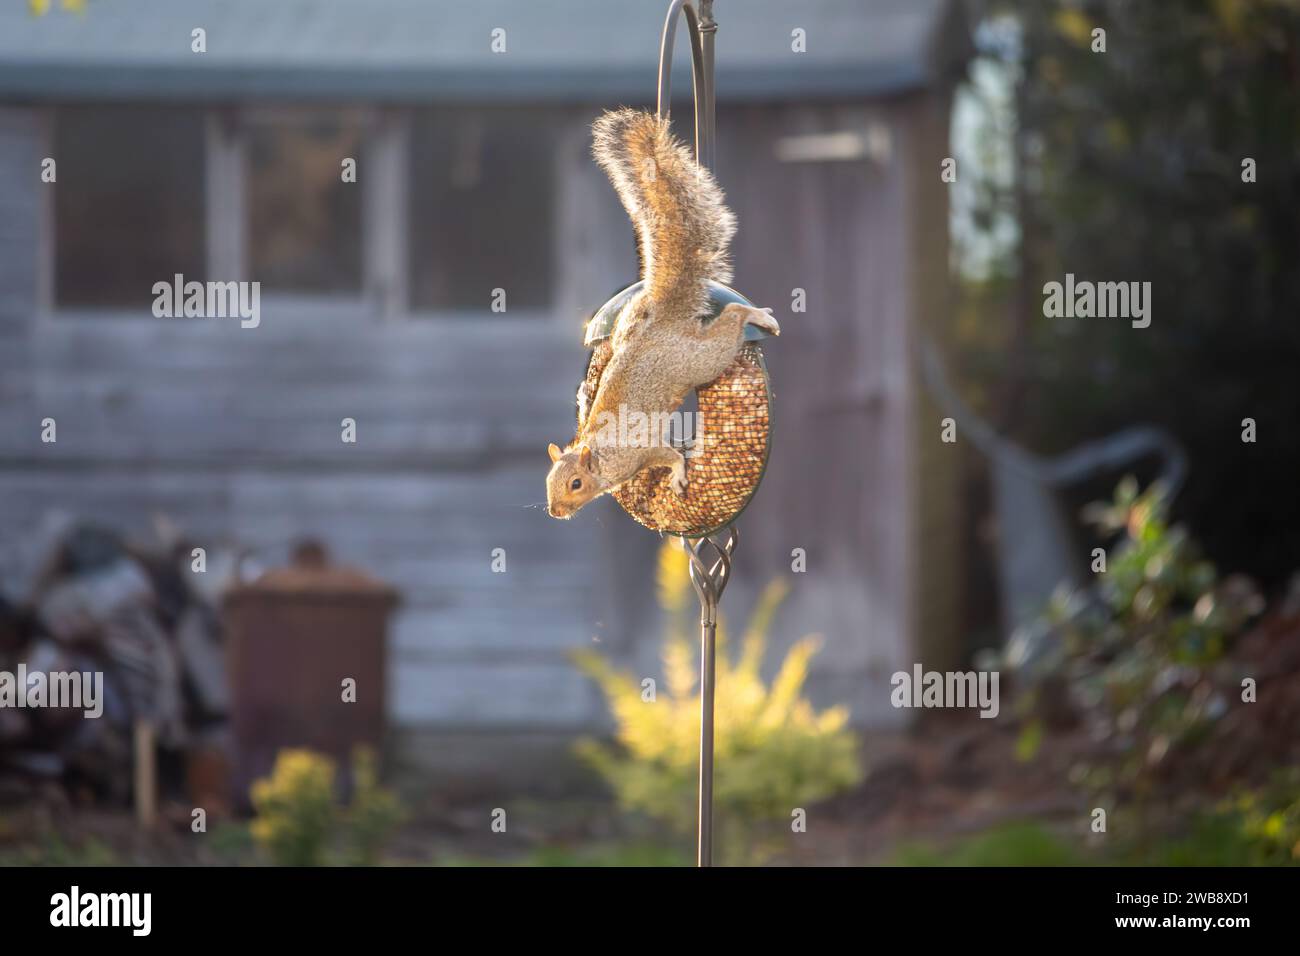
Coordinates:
1138	661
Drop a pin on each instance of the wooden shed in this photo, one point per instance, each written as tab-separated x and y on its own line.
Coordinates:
437	300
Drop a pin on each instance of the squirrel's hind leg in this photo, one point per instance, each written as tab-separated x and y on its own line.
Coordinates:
713	345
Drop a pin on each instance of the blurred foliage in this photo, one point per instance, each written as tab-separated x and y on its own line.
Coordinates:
41	7
231	842
299	822
631	854
1257	828
51	848
1128	167
1014	844
614	854
1137	658
295	808
773	752
374	814
1269	819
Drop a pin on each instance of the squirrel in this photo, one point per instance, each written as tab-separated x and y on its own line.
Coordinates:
662	347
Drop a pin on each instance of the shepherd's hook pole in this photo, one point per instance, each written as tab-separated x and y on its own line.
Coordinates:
710	556
710	571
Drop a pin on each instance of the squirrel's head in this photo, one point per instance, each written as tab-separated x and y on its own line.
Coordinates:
571	483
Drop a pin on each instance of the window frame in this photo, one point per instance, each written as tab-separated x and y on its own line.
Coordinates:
47	307
527	314
385	180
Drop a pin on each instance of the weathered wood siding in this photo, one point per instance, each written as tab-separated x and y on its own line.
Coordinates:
235	433
844	483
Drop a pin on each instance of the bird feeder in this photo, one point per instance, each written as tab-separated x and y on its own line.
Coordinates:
727	459
729	455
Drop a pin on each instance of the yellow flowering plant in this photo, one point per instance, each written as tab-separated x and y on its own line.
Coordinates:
298	813
295	808
774	752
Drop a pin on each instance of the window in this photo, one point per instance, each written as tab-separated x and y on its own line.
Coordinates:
481	213
304	230
448	204
129	201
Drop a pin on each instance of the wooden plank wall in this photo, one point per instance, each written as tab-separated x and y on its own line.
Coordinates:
235	433
21	210
841	482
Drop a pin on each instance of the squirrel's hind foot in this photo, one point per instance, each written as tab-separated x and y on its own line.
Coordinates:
763	319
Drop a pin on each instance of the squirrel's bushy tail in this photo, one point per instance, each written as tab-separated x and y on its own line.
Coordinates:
682	222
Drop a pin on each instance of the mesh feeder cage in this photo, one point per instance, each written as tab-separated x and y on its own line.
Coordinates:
726	461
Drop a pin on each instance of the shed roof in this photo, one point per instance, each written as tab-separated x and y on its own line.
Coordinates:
599	50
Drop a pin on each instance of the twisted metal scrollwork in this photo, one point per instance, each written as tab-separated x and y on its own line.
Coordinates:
711	569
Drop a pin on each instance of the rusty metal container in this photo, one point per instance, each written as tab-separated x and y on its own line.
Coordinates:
294	636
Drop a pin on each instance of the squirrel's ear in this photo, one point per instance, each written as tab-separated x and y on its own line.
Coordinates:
554	451
584	457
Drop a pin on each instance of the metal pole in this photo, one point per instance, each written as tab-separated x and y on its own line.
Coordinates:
710	556
705	144
666	60
710	571
700	31
704	808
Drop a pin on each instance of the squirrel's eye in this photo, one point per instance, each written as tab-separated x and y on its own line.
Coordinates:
575	484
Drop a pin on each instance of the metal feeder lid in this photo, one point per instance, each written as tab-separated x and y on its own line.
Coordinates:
601	325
